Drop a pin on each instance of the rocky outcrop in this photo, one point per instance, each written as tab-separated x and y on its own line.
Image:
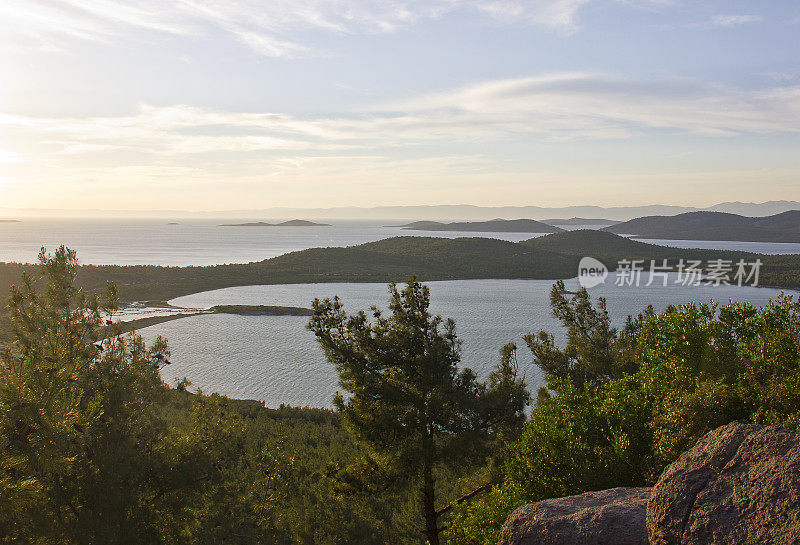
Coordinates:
608	517
739	485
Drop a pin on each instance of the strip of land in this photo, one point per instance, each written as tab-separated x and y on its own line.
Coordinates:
242	310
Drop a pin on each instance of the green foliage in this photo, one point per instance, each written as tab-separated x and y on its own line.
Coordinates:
407	400
620	406
87	453
94	448
706	365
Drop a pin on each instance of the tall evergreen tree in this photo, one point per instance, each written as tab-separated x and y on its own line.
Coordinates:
406	397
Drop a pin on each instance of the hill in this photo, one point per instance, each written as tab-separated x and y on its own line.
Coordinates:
550	257
783	227
492	226
290	223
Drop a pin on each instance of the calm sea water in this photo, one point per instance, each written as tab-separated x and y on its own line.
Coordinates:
191	242
275	359
195	242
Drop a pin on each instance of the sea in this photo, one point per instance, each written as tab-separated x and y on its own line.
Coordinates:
275	359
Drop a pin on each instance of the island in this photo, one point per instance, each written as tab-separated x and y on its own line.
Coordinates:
492	226
290	223
579	221
9	221
784	227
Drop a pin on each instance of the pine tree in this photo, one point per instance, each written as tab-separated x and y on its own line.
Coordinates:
407	399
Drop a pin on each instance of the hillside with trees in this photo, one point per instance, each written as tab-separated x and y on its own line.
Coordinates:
783	227
95	448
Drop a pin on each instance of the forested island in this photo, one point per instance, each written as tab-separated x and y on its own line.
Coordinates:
784	227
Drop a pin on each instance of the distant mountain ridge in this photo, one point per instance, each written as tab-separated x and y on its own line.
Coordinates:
492	226
783	227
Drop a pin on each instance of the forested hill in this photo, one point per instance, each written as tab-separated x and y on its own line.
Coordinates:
784	227
549	257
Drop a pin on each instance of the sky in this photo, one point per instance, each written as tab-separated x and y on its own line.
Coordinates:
249	104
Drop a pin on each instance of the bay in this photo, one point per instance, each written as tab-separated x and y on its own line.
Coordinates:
275	359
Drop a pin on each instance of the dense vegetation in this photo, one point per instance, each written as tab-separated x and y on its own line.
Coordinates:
621	405
783	227
94	448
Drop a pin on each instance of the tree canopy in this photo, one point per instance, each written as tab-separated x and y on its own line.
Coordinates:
405	396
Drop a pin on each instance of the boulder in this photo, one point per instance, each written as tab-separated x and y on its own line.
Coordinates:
607	517
739	485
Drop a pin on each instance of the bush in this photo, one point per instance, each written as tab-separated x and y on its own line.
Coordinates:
620	406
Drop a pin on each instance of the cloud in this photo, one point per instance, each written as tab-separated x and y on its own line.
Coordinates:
185	156
569	106
585	105
267	27
729	21
439	136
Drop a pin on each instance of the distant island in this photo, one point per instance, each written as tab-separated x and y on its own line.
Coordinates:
290	223
580	221
9	221
492	226
784	227
173	223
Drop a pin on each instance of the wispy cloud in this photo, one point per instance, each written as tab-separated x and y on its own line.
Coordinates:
553	107
729	21
585	105
268	27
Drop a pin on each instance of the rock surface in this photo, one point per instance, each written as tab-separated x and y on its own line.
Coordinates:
608	517
739	485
